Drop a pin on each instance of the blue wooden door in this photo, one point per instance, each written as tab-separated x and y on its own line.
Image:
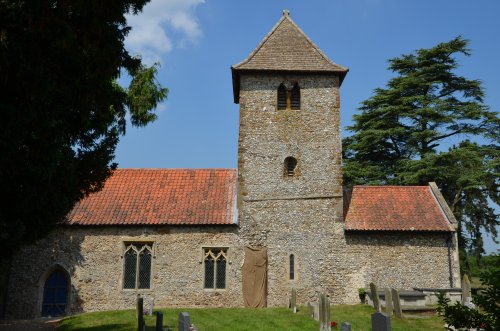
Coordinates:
55	294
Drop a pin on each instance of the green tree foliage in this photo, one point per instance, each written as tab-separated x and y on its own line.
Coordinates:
403	132
486	316
62	112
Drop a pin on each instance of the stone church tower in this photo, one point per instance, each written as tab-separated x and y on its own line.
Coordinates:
289	164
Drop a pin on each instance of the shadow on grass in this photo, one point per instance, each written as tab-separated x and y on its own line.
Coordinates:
107	327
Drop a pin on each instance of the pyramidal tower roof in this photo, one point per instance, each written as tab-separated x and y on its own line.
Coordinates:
286	48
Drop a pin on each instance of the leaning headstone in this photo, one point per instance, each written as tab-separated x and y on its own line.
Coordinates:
388	302
381	322
397	303
140	314
466	290
374	293
345	326
184	321
293	301
159	321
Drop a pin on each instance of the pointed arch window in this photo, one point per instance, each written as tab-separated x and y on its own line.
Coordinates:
215	260
137	266
289	98
290	166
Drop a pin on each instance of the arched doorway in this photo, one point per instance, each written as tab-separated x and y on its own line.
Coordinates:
55	293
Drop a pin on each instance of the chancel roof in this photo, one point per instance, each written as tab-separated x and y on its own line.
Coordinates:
397	208
286	48
160	197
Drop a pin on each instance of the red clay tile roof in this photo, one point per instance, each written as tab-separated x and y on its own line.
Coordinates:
161	196
395	208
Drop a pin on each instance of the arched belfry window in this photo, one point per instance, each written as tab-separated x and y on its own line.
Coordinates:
289	98
290	166
295	97
282	97
292	267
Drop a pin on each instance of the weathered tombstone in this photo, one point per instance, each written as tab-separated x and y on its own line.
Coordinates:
381	322
345	326
324	313
397	303
328	326
466	290
184	321
311	309
140	314
316	310
293	301
374	293
388	302
322	316
159	321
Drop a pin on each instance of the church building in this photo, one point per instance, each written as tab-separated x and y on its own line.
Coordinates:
245	237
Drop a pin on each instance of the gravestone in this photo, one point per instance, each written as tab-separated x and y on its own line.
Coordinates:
345	326
397	303
140	314
149	309
324	313
293	301
311	309
388	302
374	293
466	290
184	321
316	310
381	322
327	309
322	316
159	321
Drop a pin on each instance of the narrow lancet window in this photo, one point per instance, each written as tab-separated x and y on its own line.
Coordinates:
292	267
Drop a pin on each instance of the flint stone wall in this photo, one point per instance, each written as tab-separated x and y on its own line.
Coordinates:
298	215
93	258
404	260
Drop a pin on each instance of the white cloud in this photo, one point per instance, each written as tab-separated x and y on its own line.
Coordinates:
163	25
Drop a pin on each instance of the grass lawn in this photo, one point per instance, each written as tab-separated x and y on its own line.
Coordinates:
244	319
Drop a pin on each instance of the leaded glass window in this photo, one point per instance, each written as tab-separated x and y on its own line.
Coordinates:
292	267
215	261
137	266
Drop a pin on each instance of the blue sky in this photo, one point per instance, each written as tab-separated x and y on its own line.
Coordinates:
197	41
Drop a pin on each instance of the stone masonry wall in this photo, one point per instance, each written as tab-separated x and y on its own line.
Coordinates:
93	258
403	260
298	215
